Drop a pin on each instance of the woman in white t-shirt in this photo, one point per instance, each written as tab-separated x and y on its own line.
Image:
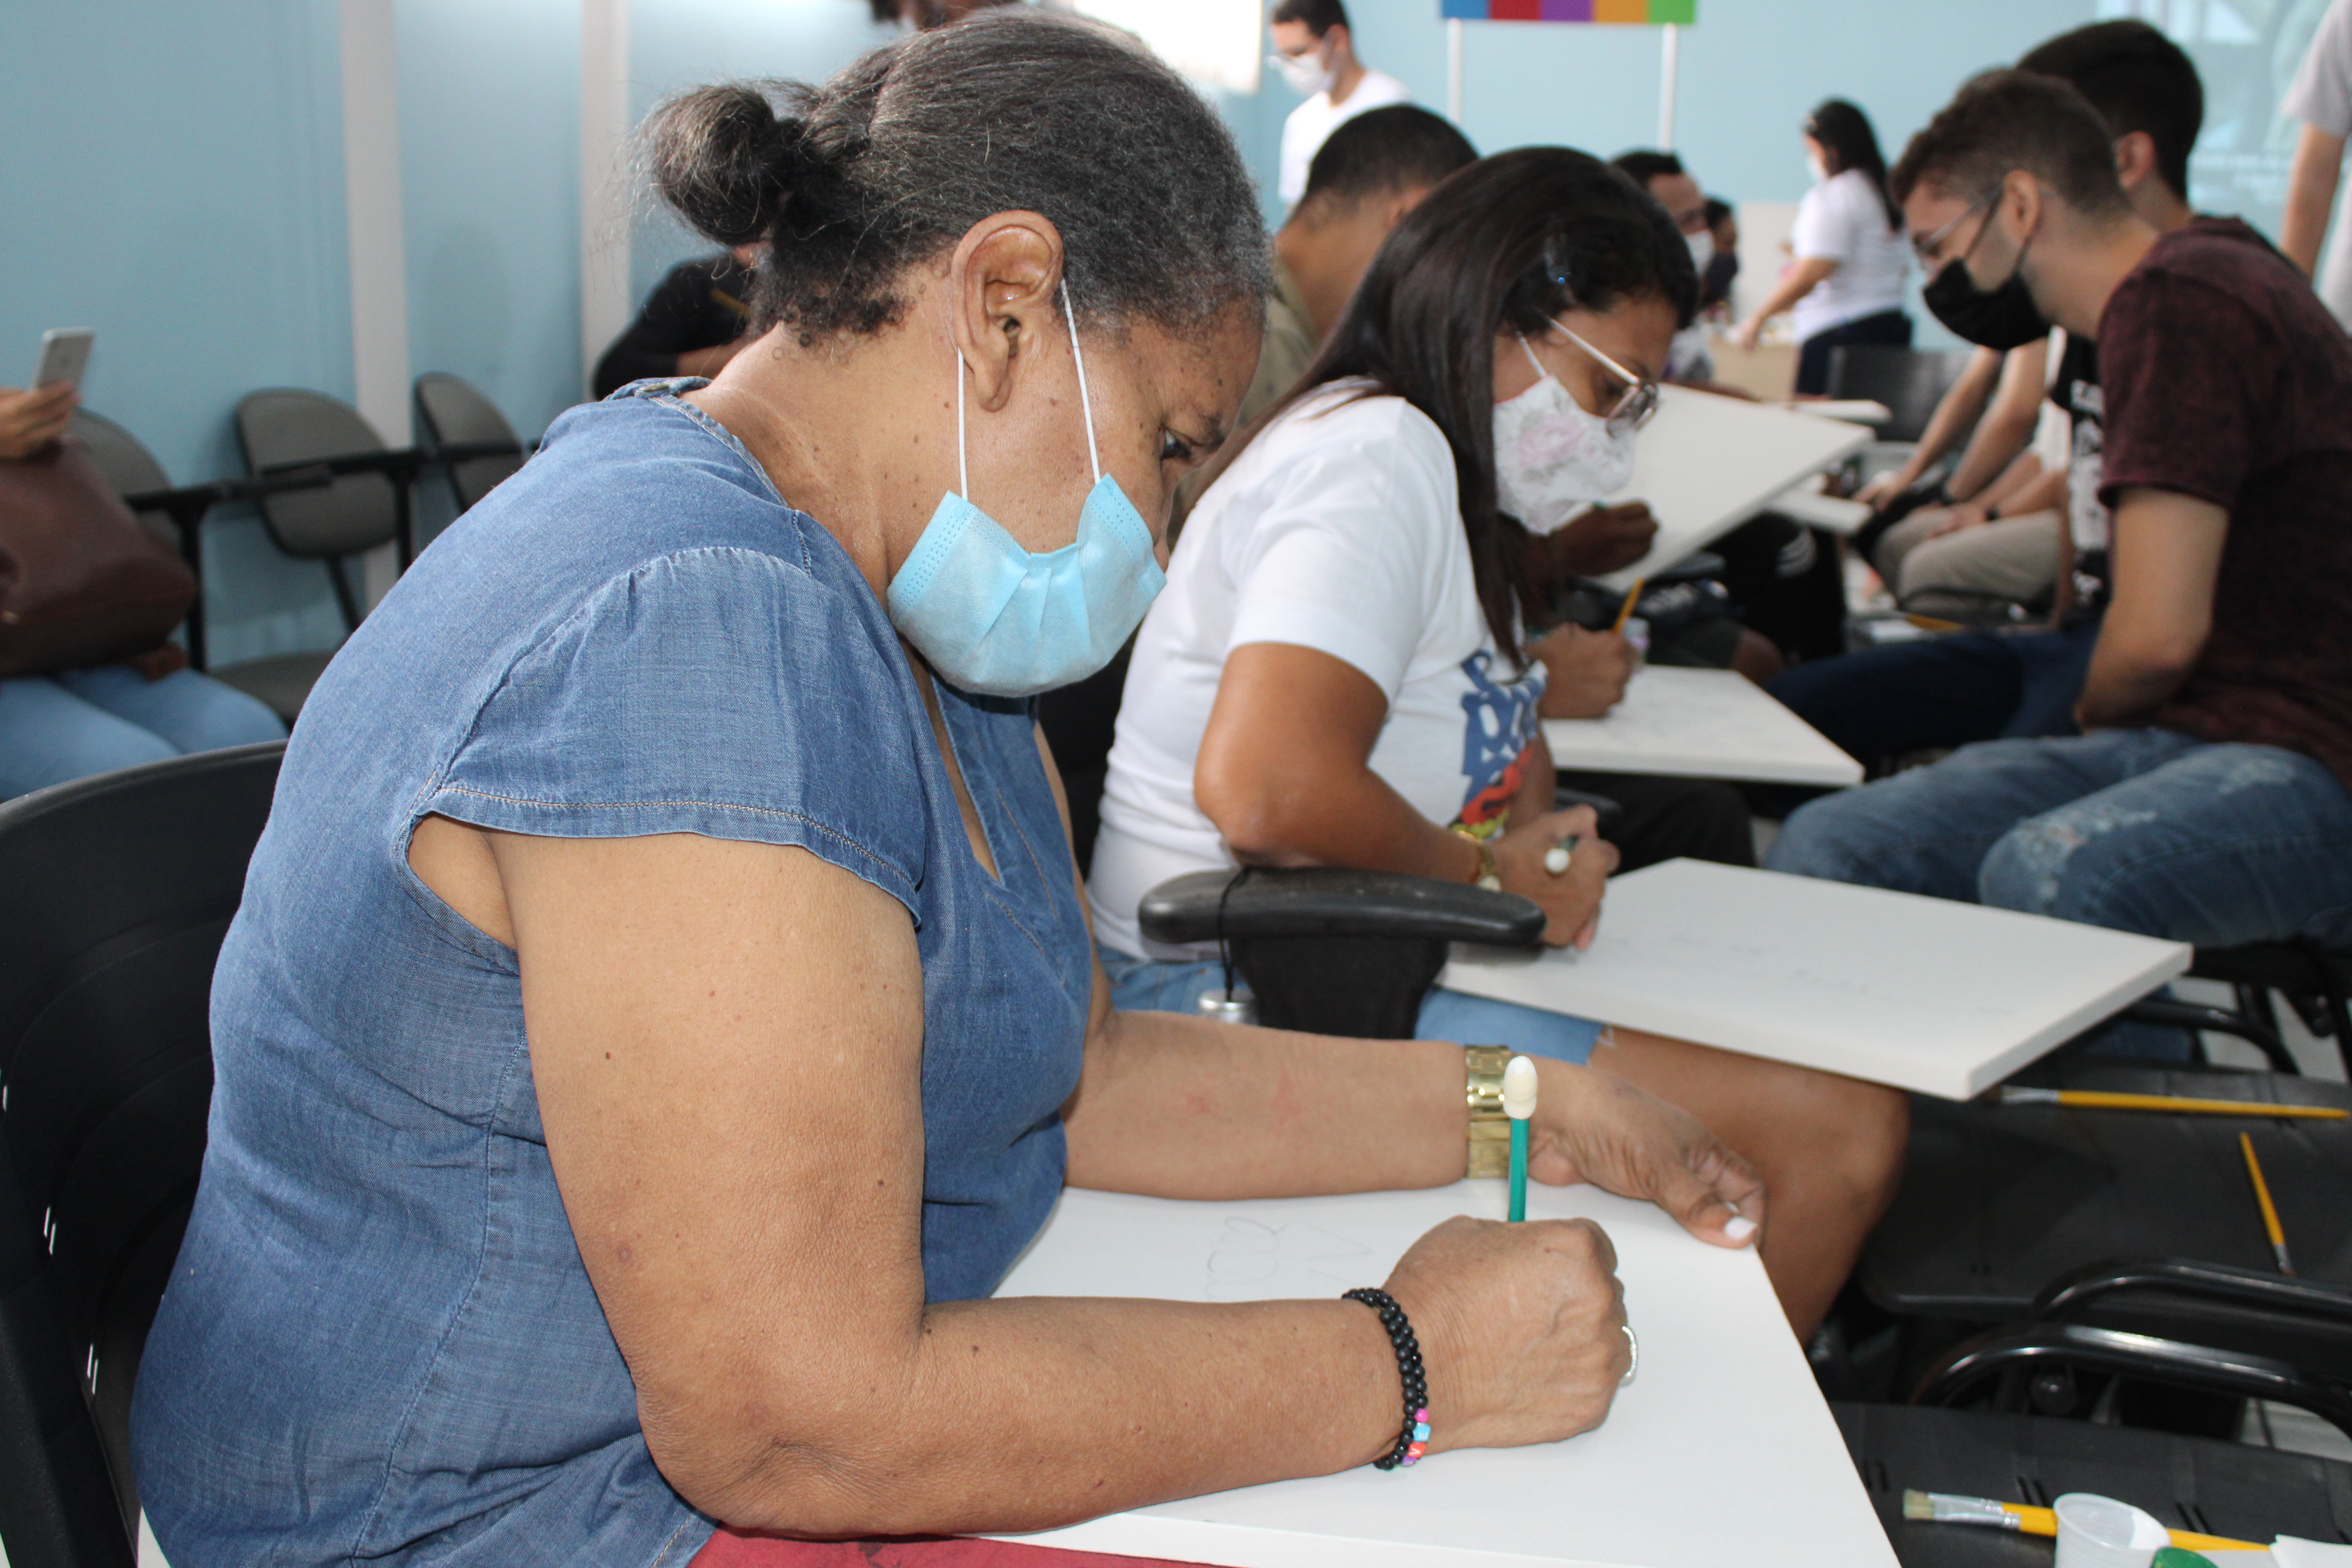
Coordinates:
1334	673
1846	283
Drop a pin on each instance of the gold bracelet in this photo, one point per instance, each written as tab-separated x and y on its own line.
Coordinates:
1490	1129
1490	874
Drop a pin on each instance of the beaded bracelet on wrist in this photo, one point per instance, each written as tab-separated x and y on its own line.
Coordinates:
1411	1442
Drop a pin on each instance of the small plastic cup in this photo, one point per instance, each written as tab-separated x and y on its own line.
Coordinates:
2097	1532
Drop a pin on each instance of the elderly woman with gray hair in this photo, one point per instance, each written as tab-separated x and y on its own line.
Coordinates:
662	1005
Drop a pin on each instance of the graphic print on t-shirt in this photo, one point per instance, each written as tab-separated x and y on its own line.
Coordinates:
2076	390
1499	723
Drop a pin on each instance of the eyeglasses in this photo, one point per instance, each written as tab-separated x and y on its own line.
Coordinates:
1925	249
1640	402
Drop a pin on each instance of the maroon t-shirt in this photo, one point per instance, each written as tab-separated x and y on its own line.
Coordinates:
2226	379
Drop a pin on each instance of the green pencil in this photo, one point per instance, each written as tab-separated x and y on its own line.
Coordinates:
1519	1104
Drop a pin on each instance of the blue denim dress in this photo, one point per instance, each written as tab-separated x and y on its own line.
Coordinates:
380	1342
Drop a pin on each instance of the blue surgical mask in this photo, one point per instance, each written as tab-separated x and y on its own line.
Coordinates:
994	618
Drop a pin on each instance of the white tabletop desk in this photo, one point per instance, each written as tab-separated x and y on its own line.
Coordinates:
1700	723
1720	1452
1924	993
1708	463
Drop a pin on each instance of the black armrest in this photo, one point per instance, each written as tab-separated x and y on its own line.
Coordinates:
2034	1348
399	465
1324	901
191	502
465	451
2097	1282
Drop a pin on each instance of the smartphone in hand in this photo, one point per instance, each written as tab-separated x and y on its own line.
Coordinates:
65	355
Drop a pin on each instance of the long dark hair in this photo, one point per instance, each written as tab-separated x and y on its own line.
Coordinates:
1845	135
1512	241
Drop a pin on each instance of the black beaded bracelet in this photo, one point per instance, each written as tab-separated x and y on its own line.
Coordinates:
1412	1442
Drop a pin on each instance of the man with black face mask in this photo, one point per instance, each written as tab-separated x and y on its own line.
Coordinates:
1881	702
2207	801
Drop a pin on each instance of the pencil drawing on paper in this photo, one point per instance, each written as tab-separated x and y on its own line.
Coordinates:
1256	1260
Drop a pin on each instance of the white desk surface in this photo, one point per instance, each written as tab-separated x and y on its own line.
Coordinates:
1700	723
1708	463
1720	1452
1924	993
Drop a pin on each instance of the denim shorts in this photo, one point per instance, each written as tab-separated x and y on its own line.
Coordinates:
1151	986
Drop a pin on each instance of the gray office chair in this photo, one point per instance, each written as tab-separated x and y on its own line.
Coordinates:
465	431
1909	381
284	432
175	513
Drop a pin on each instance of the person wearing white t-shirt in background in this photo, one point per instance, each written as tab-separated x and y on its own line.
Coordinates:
1315	53
2321	98
1846	284
1334	674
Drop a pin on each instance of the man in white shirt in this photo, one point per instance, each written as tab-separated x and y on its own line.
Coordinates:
2321	98
1317	56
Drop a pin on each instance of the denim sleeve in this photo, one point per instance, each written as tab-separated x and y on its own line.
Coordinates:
723	692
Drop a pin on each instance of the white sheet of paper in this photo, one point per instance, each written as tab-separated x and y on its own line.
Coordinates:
1720	1452
1856	410
1700	723
1924	993
1708	463
1835	514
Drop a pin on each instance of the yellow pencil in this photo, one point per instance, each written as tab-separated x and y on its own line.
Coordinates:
2270	1211
1625	610
1947	1509
2102	1099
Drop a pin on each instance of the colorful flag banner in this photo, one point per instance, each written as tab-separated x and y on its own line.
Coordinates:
1683	13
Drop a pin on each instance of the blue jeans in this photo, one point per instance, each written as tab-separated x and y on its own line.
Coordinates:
2137	830
1150	985
1880	702
82	721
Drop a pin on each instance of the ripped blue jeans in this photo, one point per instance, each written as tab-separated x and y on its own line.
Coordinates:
2138	830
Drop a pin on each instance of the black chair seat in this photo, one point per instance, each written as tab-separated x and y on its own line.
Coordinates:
2197	1484
1998	1202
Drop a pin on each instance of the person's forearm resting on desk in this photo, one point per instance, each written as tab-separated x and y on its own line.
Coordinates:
727	1046
1285	772
1799	280
2167	557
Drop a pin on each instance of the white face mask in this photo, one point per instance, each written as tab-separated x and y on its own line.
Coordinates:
1306	74
1702	250
1552	459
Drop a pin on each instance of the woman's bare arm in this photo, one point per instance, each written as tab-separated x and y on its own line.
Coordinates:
1284	772
726	1040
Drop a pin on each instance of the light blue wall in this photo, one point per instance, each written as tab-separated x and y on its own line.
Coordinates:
675	44
193	211
489	123
1749	71
174	178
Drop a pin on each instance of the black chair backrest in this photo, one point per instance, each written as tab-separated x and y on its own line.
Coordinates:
120	888
128	466
286	427
452	413
1910	381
